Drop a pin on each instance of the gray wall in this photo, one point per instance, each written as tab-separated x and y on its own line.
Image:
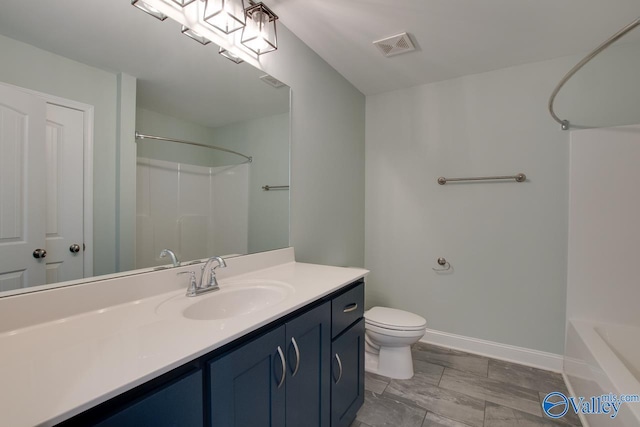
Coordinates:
126	174
327	155
153	123
266	140
506	241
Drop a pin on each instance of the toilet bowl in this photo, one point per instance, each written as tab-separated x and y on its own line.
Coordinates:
389	334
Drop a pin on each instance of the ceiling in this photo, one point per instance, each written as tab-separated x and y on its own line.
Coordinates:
179	77
176	75
453	37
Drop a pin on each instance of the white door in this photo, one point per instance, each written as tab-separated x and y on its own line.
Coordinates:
64	186
22	188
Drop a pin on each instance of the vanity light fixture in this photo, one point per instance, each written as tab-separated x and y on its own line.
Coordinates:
259	34
195	36
140	4
231	52
226	16
230	55
183	3
220	21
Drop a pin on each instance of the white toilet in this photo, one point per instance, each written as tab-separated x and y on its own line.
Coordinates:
389	334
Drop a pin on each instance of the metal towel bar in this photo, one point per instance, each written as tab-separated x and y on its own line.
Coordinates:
518	178
275	187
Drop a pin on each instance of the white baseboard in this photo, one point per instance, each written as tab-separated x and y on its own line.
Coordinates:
509	353
583	417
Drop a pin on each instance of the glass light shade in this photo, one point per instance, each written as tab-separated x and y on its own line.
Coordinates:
148	9
230	55
183	3
225	15
195	36
259	34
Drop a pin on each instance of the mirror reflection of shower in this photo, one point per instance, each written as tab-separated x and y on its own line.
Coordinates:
203	197
194	210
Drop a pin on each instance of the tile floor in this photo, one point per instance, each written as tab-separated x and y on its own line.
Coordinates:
455	389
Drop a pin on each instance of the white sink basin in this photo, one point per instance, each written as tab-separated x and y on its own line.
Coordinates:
238	298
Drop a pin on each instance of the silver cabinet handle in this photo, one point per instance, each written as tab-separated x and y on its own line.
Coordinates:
284	367
339	366
351	307
297	350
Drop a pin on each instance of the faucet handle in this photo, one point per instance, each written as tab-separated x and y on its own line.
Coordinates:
193	284
213	280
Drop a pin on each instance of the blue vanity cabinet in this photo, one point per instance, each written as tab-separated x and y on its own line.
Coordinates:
247	384
347	378
177	403
347	356
308	363
277	379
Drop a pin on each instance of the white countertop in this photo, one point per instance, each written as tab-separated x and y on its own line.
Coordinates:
56	369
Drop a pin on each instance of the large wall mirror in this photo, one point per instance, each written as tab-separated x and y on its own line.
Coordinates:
77	79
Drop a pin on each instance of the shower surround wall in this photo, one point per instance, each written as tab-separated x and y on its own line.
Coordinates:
604	233
602	352
193	210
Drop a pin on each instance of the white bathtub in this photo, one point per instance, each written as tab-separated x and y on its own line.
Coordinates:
604	358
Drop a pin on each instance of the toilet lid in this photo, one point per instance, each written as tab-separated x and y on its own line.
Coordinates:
390	318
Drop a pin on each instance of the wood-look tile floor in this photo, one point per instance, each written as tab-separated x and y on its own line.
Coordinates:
455	389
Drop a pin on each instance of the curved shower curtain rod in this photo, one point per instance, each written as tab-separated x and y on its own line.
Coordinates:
197	144
579	65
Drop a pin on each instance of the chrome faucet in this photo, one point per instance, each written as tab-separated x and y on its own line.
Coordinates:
211	285
172	255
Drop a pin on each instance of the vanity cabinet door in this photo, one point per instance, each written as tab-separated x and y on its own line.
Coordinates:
308	364
247	386
178	404
347	375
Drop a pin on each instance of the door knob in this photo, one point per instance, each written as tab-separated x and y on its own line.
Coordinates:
74	249
39	253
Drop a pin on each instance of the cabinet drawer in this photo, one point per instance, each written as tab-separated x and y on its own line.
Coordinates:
346	309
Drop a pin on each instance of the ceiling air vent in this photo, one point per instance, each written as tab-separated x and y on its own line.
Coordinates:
272	81
395	45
